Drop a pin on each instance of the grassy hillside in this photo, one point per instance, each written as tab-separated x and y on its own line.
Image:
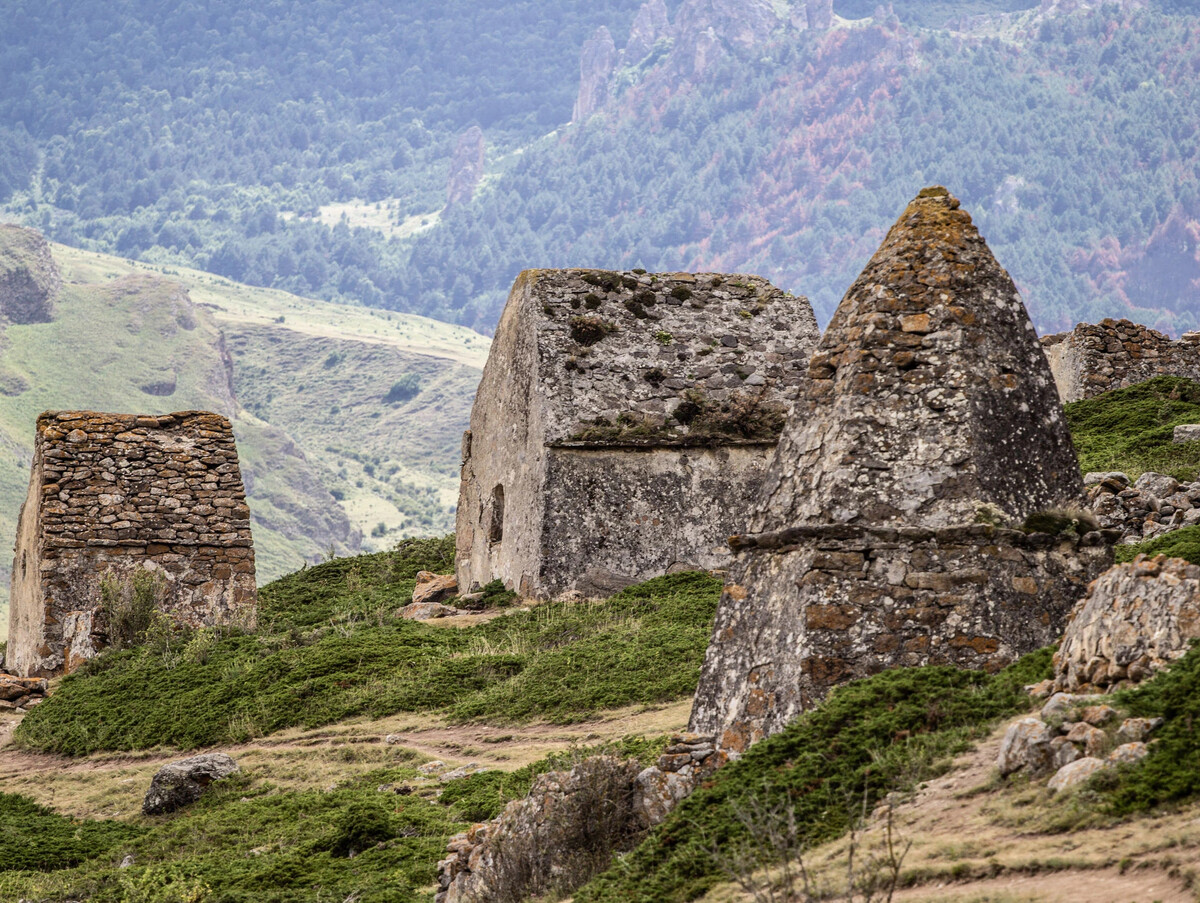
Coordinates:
329	647
130	337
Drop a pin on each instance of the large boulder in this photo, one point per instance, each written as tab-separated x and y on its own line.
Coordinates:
1135	620
432	588
1026	746
180	784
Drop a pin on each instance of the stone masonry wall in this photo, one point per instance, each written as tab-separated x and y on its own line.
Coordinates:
112	493
622	420
1114	354
861	600
647	512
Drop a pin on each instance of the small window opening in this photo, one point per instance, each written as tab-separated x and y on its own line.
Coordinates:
496	521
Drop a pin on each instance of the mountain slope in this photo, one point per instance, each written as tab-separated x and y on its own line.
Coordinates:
123	337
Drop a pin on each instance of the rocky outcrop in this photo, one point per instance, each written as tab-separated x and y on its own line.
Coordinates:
29	280
597	62
929	422
431	588
649	27
1153	505
122	507
466	168
1114	354
565	829
1135	620
741	24
181	783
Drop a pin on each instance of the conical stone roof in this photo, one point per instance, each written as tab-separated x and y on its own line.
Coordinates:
929	394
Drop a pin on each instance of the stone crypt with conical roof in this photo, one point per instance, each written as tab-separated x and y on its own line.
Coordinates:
888	528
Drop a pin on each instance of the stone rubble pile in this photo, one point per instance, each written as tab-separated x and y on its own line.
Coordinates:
1152	505
1072	738
1136	619
19	694
537	834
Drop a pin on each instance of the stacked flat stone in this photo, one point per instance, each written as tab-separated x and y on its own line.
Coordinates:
113	493
1113	354
1153	505
930	425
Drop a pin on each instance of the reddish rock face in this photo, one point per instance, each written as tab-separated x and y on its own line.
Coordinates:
120	504
596	64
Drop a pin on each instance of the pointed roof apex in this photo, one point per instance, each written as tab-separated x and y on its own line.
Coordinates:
930	399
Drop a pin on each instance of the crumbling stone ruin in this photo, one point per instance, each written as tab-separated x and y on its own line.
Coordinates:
1144	509
1114	354
1135	620
887	530
622	426
113	495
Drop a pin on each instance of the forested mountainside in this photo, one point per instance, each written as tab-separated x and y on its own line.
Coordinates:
308	146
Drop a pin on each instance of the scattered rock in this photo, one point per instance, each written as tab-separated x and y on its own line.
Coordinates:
1062	703
1092	738
182	783
432	588
1157	484
1136	730
435	767
22	690
1092	478
126	862
1098	715
426	611
1135	620
1075	773
1187	433
1026	746
1128	754
1041	689
1062	752
462	771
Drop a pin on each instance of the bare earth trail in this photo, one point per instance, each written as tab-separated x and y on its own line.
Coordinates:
972	845
111	785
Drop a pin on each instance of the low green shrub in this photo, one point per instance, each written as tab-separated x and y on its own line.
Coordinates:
38	839
1183	543
868	738
1132	430
329	647
1171	771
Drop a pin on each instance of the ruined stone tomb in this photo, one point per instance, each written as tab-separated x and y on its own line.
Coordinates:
622	426
112	495
888	530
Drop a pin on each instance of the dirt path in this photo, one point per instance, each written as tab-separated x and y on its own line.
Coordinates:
973	842
111	785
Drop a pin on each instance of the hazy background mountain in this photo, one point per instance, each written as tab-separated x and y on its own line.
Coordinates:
309	146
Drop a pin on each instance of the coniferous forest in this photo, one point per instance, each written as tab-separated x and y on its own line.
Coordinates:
307	146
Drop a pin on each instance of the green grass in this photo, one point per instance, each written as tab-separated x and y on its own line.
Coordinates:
330	648
248	841
1183	543
872	736
1171	771
1131	429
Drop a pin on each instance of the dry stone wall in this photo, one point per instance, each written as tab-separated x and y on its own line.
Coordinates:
623	423
1114	354
112	494
929	425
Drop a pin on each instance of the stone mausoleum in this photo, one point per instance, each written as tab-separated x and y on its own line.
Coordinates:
887	532
623	425
113	493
